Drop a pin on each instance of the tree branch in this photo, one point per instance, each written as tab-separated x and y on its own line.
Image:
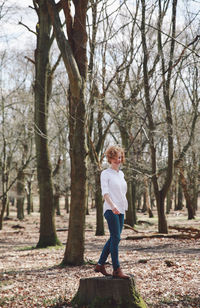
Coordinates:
22	24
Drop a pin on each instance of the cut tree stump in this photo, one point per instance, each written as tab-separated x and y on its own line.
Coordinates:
107	292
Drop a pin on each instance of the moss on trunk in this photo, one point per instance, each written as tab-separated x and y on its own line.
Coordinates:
106	292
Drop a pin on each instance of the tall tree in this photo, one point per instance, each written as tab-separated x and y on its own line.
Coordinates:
166	69
73	50
15	102
189	163
43	81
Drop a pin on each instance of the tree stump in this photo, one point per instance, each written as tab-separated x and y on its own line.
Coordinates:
107	292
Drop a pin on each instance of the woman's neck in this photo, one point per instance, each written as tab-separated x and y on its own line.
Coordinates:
116	168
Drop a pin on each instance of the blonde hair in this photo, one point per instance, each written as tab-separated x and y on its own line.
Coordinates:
112	151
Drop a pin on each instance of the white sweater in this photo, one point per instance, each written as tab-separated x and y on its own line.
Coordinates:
114	184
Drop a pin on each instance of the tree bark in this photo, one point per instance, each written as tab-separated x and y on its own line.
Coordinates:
131	218
4	167
56	199
74	253
130	214
147	197
99	205
106	292
67	206
162	221
20	194
74	56
189	204
48	235
29	197
180	196
3	208
8	209
169	201
160	194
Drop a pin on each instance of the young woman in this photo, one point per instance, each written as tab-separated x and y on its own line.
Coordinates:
114	188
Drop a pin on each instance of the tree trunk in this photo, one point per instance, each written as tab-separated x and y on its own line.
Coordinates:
104	292
3	208
180	196
169	201
195	199
99	205
87	211
188	199
147	198
131	218
8	209
144	206
134	198
56	199
194	182
74	253
57	204
166	81
74	54
20	194
162	221
48	235
29	198
139	202
175	195
67	202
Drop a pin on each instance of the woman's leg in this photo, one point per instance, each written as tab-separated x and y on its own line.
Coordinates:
117	273
105	253
106	249
115	227
115	224
121	222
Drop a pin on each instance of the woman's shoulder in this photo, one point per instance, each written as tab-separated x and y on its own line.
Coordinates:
105	171
121	172
105	175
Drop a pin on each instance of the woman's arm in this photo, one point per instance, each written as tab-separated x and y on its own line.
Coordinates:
112	205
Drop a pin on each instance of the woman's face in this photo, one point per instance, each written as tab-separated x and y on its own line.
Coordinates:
116	161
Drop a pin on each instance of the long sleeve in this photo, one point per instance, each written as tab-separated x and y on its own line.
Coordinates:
104	183
114	184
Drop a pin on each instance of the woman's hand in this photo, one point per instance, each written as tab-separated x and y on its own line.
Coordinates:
112	205
115	211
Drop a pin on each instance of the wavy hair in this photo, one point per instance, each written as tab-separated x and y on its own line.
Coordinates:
112	152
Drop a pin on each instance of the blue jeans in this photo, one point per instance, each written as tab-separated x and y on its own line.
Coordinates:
115	225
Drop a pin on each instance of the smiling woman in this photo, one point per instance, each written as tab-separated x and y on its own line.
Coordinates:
114	188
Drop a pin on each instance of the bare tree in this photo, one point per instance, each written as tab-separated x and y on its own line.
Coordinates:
187	116
16	106
43	86
169	63
73	52
160	194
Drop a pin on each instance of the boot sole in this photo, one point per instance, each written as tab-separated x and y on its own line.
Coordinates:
109	275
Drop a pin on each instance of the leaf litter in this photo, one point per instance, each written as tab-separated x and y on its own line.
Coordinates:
166	271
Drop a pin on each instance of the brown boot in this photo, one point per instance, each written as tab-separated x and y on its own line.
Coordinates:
119	274
101	269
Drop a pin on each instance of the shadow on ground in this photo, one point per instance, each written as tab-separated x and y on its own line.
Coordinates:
182	301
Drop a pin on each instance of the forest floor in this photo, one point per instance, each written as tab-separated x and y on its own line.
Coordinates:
166	270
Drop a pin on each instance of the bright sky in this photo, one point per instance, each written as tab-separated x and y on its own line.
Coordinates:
17	36
13	35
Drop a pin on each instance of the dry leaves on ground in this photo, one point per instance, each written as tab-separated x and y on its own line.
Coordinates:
167	271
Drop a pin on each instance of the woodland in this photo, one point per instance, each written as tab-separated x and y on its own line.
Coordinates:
96	73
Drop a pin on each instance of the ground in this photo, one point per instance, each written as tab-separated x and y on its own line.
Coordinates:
166	271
